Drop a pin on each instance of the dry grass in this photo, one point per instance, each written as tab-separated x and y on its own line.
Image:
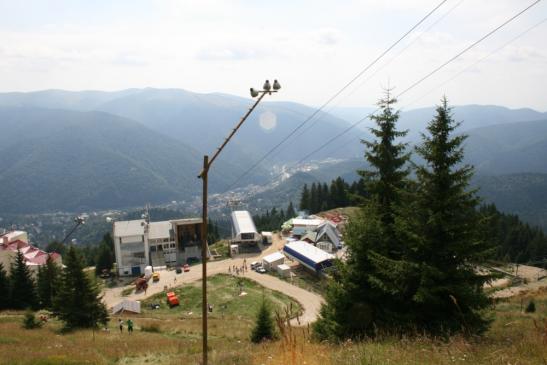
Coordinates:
514	338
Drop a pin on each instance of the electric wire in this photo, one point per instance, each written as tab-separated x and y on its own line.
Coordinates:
275	147
417	82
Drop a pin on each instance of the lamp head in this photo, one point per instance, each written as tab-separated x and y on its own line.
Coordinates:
254	93
276	85
267	85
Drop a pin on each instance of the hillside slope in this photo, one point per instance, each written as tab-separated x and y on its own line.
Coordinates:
67	160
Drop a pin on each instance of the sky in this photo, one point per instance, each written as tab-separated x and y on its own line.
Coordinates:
314	48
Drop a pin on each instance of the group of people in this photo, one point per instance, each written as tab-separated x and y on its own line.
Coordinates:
129	325
236	270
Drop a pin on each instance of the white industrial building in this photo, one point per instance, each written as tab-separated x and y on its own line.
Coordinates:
272	261
138	243
244	233
308	255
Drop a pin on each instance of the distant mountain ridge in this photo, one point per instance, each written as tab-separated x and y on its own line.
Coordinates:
93	149
71	160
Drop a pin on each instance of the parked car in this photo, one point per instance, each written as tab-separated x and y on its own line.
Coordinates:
260	270
186	267
255	264
156	277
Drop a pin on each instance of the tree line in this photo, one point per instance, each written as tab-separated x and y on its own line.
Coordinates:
69	293
415	245
273	218
320	197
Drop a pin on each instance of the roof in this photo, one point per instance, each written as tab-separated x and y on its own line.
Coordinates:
331	232
283	267
183	221
276	256
312	236
12	235
129	228
158	230
309	251
306	222
267	234
243	222
31	254
299	231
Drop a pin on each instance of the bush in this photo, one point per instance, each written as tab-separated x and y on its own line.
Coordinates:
30	322
531	307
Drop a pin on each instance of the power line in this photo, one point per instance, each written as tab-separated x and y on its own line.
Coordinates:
477	62
469	47
334	96
418	82
387	63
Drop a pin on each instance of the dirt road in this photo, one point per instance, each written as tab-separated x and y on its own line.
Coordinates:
311	302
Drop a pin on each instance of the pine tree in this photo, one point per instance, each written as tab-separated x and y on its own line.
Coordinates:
264	326
4	289
370	289
78	303
388	177
314	199
48	283
449	244
305	198
291	213
105	259
23	290
326	201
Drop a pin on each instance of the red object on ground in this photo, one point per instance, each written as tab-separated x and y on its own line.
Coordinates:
186	267
173	301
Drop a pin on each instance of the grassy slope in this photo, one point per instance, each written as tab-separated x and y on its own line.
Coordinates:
512	339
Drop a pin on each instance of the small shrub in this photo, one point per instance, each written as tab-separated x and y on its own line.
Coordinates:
153	327
30	322
264	325
531	307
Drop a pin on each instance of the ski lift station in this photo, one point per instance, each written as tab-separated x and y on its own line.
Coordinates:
308	255
244	233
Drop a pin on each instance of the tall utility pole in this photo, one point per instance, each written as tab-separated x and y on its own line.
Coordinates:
267	89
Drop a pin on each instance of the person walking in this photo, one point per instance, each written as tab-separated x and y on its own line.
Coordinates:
120	323
129	326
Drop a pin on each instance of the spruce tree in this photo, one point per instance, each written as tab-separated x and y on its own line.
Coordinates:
4	289
290	211
387	179
446	238
23	289
370	289
264	326
78	303
305	198
314	199
105	258
48	283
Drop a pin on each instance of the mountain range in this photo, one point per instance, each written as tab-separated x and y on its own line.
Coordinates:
76	151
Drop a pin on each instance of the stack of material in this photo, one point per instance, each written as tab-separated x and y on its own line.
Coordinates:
127	306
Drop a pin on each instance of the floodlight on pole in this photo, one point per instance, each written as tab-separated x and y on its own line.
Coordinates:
203	175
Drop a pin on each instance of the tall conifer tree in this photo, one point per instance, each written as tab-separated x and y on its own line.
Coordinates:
78	303
23	288
370	289
449	246
4	289
48	283
305	198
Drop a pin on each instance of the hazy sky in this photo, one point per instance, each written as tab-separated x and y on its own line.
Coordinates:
312	47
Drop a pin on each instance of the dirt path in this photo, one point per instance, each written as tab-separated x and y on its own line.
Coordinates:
311	302
534	276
